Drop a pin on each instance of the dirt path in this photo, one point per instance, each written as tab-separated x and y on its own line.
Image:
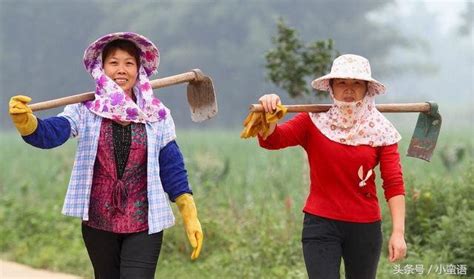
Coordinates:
11	270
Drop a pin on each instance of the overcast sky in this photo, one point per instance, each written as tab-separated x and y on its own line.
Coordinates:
447	11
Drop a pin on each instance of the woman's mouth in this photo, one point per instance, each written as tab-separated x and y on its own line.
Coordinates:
349	99
120	81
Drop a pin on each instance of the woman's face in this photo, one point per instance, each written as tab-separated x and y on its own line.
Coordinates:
122	68
349	90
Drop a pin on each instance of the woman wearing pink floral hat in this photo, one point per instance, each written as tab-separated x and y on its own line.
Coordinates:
344	145
127	164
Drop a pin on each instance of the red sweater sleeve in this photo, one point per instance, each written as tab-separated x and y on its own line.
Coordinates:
391	171
290	133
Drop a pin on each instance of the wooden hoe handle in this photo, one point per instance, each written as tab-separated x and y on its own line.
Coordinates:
407	107
192	76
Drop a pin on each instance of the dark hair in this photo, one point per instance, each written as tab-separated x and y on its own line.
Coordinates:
124	45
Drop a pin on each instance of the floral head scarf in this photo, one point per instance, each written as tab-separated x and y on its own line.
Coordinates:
110	100
356	123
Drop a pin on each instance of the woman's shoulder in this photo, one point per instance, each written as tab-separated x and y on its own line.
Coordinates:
72	110
79	107
164	117
76	112
301	119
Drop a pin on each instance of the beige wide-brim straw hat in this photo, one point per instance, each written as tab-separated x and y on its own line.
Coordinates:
350	66
149	53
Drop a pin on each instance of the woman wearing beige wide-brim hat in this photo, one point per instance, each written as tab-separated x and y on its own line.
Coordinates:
344	145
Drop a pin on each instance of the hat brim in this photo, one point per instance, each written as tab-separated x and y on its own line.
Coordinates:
149	53
374	86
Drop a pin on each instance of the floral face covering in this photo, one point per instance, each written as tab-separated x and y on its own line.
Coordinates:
111	101
356	123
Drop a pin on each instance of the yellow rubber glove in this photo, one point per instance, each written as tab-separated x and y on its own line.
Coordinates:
22	116
256	122
188	211
253	123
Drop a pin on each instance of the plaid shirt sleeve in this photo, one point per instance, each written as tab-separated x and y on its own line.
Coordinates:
86	126
160	215
73	114
169	132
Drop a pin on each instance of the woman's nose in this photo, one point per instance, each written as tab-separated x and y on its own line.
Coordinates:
121	70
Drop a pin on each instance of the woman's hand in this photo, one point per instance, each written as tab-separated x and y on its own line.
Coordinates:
270	102
188	211
22	116
397	247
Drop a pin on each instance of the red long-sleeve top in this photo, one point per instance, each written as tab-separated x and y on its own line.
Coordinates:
335	190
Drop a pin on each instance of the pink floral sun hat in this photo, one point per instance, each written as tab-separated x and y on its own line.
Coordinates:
149	53
110	100
353	67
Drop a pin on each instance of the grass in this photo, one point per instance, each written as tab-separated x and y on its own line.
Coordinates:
249	202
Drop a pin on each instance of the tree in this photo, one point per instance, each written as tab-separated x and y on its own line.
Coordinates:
291	63
228	40
43	42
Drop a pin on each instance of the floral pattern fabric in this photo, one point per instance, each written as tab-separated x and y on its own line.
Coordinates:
356	123
352	67
127	213
110	100
149	52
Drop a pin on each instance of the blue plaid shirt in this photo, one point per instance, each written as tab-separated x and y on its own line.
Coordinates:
85	125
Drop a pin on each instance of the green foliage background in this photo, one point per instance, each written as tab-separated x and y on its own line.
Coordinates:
292	64
249	199
249	202
42	43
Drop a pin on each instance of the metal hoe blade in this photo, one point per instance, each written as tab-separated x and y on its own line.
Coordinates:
202	99
425	136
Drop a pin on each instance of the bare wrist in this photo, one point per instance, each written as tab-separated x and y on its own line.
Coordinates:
398	232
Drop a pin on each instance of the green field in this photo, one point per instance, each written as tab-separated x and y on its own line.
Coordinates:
249	202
